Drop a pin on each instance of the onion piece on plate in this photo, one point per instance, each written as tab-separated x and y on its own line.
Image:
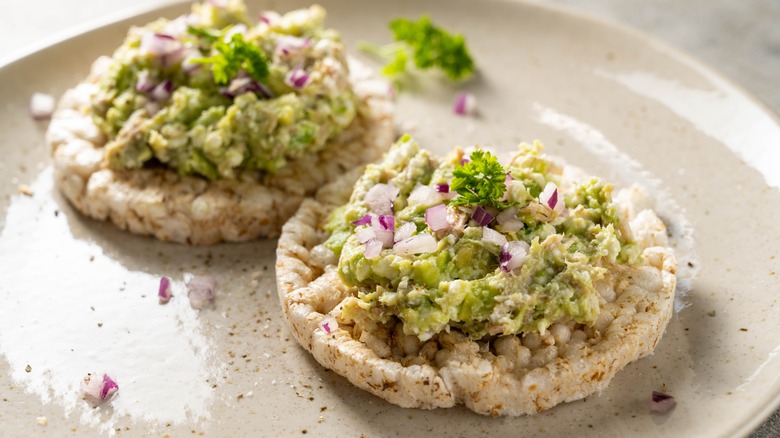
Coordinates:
661	403
200	290
164	291
41	106
465	104
95	390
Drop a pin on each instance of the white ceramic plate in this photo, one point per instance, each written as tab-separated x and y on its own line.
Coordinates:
79	296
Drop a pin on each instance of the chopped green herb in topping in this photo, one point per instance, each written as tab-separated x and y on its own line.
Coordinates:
428	45
480	181
208	36
233	56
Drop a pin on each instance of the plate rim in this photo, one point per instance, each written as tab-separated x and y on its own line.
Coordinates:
665	48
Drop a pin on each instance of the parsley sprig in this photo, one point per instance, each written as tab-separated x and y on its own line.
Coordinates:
480	181
232	56
428	45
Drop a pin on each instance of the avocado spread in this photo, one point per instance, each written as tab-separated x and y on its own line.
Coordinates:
210	94
470	244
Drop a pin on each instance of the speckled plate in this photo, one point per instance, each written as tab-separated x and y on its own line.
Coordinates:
79	296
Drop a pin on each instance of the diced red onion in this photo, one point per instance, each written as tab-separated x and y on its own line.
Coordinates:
662	403
245	84
426	195
297	78
436	217
380	198
509	221
384	226
493	236
269	17
162	91
164	291
145	82
373	249
365	220
443	188
288	45
41	106
507	180
96	390
387	222
109	387
512	255
419	244
464	160
551	197
465	104
200	290
405	231
365	234
481	216
328	324
167	49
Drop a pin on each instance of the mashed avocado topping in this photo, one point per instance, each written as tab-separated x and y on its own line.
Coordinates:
522	257
209	94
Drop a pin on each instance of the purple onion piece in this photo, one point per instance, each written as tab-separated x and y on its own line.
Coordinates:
662	403
465	104
162	91
200	291
108	388
443	188
482	217
365	220
145	82
297	78
436	217
164	292
512	255
553	201
387	222
373	249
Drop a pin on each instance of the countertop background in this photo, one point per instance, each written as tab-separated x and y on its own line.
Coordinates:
741	39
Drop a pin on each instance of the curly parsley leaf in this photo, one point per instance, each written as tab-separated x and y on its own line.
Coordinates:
428	45
233	56
480	181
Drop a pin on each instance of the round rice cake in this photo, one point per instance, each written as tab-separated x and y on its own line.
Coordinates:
187	209
506	375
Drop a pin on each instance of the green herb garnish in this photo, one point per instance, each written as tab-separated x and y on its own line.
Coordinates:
233	56
428	45
480	181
